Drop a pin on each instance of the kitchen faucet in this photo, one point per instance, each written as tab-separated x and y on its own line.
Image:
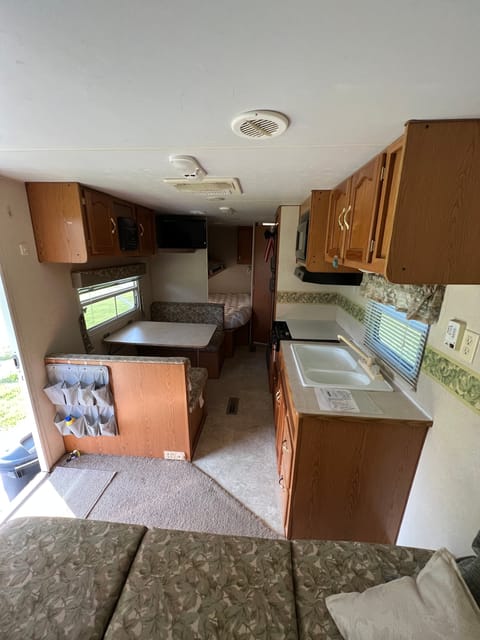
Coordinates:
367	362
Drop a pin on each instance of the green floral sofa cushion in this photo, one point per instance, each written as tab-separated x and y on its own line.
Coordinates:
204	312
61	577
197	381
192	585
322	568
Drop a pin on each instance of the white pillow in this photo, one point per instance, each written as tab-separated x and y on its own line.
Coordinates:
435	606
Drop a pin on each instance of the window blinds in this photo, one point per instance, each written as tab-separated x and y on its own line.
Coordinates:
398	341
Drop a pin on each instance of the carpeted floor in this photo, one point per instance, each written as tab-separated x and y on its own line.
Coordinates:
168	494
67	492
238	450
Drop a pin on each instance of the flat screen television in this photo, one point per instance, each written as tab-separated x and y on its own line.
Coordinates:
181	232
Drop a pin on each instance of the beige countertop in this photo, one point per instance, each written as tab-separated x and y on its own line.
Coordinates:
391	405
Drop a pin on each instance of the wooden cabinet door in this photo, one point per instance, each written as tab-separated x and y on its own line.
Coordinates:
360	217
244	245
279	417
58	221
386	210
336	228
123	209
262	290
102	225
146	231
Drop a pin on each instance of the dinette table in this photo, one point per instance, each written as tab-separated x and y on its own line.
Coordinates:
144	333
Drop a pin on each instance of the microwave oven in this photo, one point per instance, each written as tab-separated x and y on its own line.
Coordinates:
302	237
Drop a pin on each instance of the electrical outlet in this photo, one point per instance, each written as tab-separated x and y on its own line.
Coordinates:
469	345
174	455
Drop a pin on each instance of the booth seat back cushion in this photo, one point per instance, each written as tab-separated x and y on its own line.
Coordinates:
198	312
324	568
197	585
62	577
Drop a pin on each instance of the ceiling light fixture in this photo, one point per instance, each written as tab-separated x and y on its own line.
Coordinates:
227	210
188	166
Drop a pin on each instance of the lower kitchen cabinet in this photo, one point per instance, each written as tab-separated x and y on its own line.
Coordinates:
344	477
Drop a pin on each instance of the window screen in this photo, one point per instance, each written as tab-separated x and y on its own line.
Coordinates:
398	341
103	303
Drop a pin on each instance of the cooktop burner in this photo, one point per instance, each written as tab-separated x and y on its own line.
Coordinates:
304	330
280	330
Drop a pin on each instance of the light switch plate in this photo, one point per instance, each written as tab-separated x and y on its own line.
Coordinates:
469	345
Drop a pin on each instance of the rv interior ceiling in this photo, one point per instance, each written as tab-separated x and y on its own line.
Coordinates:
104	93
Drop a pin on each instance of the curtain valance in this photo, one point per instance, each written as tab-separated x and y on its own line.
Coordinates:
420	302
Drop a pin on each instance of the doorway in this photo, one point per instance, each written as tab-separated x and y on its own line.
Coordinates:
18	457
263	283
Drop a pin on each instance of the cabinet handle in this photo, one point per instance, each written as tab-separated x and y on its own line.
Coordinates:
345	221
285	446
281	483
114	226
342	212
142	230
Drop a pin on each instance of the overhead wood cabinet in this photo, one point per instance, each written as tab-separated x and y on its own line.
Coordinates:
411	213
72	223
316	206
146	231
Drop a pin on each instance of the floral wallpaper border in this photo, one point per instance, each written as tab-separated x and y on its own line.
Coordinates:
302	297
463	383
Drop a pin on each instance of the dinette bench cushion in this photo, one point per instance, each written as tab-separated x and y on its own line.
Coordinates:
197	380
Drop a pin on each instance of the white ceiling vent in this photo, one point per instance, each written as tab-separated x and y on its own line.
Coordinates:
260	124
211	188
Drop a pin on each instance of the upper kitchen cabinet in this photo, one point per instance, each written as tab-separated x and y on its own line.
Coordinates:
336	227
58	221
352	215
102	225
146	231
72	223
316	208
423	224
360	215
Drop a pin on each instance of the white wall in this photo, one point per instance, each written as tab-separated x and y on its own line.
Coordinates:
287	281
444	505
179	277
43	305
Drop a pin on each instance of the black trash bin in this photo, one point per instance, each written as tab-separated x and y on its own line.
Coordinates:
18	466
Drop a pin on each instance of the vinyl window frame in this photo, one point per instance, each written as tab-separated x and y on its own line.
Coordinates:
108	291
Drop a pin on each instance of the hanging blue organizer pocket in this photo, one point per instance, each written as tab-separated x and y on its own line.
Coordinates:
83	399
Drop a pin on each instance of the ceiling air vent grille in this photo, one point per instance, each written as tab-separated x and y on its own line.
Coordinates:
260	124
208	187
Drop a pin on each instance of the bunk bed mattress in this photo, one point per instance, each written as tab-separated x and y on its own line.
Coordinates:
237	308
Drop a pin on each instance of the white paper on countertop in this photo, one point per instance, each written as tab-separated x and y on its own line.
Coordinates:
339	400
343	401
